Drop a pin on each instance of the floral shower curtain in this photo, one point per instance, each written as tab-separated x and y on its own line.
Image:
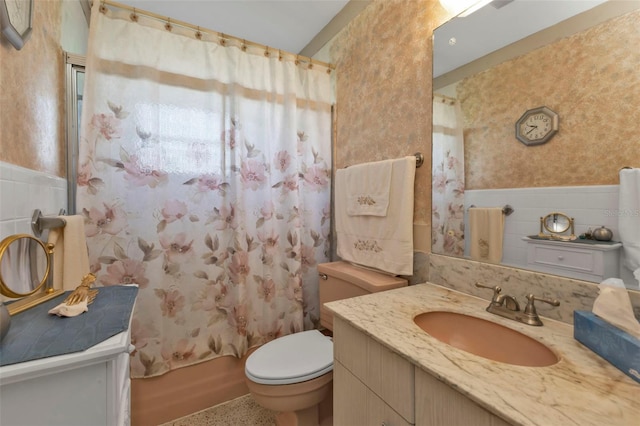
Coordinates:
448	178
204	178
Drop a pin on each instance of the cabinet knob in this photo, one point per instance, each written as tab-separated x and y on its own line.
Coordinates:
560	257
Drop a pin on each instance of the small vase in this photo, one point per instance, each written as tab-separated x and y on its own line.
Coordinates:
5	320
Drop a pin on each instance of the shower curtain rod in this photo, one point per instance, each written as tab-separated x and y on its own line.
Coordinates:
199	31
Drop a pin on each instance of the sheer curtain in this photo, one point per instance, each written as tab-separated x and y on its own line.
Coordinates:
204	178
448	177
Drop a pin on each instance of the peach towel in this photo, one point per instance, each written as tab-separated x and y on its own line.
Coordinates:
70	257
486	226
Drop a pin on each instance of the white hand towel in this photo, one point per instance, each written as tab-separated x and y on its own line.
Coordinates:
368	188
70	257
381	242
629	219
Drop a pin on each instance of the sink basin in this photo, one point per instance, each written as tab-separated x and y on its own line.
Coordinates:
486	339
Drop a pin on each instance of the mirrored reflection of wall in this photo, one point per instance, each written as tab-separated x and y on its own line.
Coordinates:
590	79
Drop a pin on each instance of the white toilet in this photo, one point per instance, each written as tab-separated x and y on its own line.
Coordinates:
293	374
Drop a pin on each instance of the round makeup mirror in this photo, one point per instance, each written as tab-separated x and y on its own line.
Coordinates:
25	265
556	223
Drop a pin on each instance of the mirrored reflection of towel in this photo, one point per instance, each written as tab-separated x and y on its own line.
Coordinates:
381	242
70	257
486	226
368	186
629	220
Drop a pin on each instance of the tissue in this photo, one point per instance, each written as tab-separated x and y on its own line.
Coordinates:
613	305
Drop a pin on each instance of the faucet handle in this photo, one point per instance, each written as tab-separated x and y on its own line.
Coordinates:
496	290
530	309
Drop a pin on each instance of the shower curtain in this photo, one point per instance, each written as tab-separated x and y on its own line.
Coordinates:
204	178
448	178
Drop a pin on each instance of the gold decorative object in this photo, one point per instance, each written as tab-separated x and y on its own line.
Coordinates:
83	291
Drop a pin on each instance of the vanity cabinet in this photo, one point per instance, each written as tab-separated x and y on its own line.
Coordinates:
583	261
439	404
375	386
372	385
91	387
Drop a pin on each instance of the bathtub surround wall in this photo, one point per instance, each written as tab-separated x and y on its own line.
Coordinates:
22	191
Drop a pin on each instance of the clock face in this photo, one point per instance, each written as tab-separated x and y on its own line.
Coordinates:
537	126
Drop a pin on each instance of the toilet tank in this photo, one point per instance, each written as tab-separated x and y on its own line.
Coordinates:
342	280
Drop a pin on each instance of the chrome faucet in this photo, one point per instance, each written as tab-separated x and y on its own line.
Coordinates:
508	307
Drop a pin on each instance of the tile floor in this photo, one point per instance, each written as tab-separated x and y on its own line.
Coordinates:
242	411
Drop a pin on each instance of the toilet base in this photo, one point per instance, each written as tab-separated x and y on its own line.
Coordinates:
306	417
297	404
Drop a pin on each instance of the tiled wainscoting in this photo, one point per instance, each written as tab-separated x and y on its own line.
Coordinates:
22	191
590	206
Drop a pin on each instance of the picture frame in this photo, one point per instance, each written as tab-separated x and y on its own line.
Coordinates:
16	21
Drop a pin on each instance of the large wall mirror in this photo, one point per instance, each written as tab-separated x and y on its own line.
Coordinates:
578	59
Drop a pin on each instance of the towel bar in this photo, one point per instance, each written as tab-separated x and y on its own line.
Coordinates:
506	210
419	159
39	223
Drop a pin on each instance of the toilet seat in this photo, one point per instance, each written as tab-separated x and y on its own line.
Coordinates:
291	359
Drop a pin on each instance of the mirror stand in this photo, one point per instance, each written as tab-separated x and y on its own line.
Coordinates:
31	301
556	223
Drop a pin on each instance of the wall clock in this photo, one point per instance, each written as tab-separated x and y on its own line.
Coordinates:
537	126
16	21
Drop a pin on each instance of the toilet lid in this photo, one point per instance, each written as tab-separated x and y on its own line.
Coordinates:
291	359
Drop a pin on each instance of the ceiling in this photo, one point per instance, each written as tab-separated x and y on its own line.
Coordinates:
289	25
464	39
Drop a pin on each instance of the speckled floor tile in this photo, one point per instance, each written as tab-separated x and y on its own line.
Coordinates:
242	411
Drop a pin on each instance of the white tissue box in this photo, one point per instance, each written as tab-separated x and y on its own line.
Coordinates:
613	344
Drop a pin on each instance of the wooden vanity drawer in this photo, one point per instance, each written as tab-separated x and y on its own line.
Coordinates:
385	373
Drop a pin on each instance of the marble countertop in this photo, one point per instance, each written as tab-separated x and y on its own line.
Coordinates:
581	389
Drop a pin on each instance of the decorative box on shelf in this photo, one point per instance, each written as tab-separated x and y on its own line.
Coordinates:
613	344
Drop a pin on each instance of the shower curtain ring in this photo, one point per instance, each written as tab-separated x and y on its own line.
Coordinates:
168	25
199	34
134	15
